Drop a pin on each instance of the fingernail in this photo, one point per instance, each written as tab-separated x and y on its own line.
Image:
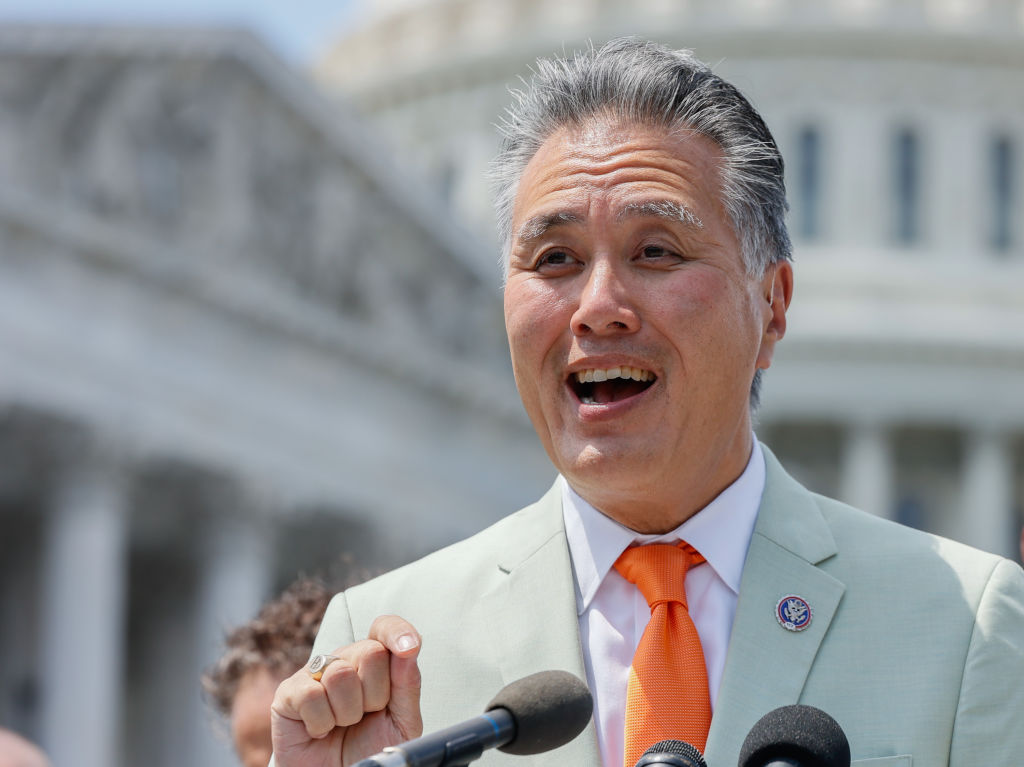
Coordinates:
406	642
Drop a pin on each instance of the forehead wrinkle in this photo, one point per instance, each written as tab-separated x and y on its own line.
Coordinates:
536	226
666	209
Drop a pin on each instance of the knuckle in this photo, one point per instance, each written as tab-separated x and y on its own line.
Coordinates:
375	654
376	697
339	676
305	697
385	625
315	715
319	732
346	717
364	652
294	682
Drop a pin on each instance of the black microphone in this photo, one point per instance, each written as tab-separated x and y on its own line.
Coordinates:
534	714
796	736
677	753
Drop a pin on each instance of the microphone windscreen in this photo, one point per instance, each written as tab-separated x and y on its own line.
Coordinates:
677	753
803	734
550	708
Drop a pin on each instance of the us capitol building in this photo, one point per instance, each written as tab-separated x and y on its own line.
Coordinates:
250	318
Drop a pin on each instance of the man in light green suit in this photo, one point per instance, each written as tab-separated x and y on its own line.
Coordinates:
648	278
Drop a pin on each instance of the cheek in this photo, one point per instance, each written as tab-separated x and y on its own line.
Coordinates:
711	318
694	307
534	318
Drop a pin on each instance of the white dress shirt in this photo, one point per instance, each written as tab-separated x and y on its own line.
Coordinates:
613	613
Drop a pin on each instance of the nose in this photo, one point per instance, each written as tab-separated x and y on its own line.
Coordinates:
605	306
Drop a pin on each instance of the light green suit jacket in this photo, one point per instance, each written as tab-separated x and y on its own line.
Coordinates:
915	646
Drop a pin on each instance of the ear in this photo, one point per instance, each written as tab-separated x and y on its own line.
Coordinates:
776	293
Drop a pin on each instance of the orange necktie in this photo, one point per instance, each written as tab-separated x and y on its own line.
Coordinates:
667	697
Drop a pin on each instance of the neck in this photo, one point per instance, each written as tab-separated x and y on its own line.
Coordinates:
658	507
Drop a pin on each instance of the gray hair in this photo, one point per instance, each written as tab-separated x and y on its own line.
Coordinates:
650	84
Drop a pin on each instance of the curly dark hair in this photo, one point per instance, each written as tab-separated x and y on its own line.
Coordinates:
278	639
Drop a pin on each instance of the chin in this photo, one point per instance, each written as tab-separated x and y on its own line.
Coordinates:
615	471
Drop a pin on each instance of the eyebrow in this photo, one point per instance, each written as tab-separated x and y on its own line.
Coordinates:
535	227
667	209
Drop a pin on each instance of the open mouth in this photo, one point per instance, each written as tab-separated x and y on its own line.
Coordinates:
601	386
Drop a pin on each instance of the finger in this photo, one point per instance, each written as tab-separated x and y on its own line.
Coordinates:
358	682
397	634
404	705
374	670
404	641
302	699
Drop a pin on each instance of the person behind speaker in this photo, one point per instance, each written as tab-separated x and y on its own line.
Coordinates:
258	656
17	751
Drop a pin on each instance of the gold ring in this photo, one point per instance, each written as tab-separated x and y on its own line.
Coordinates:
319	663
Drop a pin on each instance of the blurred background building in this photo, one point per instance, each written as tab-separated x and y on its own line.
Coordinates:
899	385
250	318
236	342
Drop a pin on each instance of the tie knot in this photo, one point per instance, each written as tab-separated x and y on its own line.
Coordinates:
659	570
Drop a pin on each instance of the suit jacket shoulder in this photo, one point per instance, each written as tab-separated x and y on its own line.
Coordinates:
490	609
911	636
449	582
943	623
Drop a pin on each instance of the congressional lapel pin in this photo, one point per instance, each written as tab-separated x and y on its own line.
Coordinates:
793	613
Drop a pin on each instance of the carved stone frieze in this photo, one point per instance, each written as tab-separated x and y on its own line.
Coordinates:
223	157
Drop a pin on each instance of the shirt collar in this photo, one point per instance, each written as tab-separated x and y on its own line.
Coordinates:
720	531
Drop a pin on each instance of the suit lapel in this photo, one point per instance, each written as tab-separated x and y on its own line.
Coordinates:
767	665
533	615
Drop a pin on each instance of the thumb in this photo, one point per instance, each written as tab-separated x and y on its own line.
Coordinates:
404	705
404	643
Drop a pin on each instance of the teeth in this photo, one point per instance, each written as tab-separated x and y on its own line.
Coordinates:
637	374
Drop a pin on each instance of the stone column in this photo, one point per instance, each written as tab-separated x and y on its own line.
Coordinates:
85	560
986	510
237	566
867	469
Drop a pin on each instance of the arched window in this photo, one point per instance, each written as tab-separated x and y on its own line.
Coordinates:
808	183
906	187
1003	193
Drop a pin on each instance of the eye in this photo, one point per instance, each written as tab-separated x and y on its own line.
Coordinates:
555	261
657	253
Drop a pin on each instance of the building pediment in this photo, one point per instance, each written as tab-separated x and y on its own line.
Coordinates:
203	144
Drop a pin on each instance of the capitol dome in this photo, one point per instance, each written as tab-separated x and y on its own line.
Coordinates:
898	387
